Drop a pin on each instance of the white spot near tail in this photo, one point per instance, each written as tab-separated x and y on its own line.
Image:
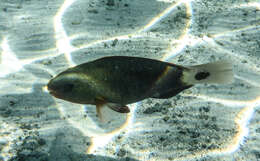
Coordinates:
219	72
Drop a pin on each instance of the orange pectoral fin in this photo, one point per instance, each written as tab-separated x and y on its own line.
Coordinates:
99	112
100	105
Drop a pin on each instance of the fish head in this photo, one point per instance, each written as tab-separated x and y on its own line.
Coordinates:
73	87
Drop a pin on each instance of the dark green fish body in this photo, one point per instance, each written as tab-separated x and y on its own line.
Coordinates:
126	80
120	80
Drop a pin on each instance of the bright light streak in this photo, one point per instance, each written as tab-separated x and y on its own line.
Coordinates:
154	21
226	102
251	82
89	128
159	17
84	124
250	27
220	49
162	15
232	32
242	121
9	64
62	41
184	40
250	4
180	45
99	141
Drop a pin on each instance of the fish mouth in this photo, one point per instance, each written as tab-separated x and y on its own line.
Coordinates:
53	92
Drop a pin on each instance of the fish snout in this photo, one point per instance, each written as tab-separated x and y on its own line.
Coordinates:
51	87
55	88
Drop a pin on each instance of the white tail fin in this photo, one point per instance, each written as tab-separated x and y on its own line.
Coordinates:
218	72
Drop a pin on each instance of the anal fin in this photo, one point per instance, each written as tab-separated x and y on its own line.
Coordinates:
102	111
118	108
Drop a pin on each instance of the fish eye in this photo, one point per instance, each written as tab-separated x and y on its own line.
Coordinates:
68	87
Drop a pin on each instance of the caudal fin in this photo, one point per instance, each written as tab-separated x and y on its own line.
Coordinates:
218	72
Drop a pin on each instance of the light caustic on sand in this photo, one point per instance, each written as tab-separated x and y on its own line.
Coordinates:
64	46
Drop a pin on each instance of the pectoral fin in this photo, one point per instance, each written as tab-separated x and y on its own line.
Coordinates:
99	107
118	107
103	113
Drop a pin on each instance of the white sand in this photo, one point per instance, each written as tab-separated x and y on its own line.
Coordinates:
39	39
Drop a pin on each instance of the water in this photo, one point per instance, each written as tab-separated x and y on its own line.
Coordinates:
39	39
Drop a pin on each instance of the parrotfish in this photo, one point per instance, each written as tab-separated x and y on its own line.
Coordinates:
117	81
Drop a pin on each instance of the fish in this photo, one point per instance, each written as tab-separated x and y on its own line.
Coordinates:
116	81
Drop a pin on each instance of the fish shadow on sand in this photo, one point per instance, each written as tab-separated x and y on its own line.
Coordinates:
63	144
27	105
46	136
60	151
32	107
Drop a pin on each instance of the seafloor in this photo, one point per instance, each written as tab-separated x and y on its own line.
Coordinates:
40	38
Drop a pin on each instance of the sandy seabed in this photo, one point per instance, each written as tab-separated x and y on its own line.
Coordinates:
40	38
